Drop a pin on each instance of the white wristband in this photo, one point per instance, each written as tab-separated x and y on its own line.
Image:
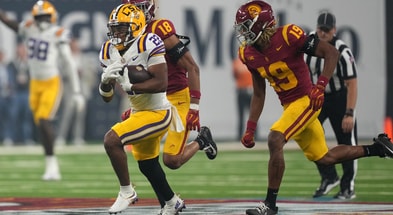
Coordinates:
106	94
194	106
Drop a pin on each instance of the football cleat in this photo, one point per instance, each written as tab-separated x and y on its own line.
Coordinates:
173	208
52	170
326	186
345	195
385	144
206	142
122	203
262	209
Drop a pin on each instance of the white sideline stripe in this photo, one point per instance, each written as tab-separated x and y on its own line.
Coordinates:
236	208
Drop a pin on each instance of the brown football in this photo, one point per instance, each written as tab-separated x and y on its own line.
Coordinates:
137	73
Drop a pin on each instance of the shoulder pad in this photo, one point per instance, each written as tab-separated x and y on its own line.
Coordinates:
291	33
164	28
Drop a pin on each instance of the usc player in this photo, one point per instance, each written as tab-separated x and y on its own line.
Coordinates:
276	54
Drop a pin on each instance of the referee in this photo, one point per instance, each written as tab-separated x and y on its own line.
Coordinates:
338	107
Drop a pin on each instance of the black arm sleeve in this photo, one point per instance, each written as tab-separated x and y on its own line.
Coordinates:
310	45
177	51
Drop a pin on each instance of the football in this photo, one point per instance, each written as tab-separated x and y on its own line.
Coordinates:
137	73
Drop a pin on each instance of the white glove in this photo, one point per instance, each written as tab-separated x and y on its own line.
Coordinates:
79	102
124	81
111	72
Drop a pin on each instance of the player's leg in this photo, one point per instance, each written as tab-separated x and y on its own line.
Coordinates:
44	102
146	153
347	182
176	149
328	173
132	131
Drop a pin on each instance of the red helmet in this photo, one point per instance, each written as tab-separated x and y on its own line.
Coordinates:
148	6
252	19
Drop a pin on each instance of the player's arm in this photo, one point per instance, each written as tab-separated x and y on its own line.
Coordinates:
351	80
315	47
180	54
256	107
158	82
258	98
12	24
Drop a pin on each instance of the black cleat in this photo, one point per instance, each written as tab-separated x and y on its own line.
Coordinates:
206	142
385	144
345	195
326	186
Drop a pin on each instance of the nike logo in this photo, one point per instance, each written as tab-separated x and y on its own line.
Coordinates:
180	103
278	48
134	58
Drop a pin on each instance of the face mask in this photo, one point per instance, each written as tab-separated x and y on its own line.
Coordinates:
43	25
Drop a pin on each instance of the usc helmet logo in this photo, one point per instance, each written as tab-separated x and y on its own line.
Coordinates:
254	10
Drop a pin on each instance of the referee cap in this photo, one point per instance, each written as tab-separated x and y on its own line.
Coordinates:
326	21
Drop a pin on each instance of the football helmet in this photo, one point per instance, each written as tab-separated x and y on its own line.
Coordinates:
44	13
126	23
148	6
252	18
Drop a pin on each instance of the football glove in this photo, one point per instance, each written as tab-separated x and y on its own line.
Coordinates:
248	137
126	114
193	119
124	80
317	93
111	72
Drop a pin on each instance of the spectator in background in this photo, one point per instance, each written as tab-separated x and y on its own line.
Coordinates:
5	101
339	106
243	79
73	117
21	118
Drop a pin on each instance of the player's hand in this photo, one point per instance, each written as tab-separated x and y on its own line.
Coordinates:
193	120
79	101
317	96
248	137
317	93
124	80
111	72
126	114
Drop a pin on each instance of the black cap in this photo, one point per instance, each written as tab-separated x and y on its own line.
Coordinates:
326	20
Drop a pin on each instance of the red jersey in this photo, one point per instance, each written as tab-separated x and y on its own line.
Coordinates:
282	63
177	77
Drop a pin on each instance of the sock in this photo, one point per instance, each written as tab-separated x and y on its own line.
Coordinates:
372	150
127	190
172	201
271	198
200	142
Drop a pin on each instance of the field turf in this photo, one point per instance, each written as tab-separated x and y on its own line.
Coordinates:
236	173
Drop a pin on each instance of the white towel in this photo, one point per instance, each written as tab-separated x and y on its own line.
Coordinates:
176	123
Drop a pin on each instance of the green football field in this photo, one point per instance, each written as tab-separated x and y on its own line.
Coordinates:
235	174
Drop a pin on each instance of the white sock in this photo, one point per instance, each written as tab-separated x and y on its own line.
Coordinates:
173	200
127	190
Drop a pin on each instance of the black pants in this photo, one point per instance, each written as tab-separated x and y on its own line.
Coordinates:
334	109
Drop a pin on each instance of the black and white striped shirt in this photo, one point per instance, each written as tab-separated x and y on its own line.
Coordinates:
345	69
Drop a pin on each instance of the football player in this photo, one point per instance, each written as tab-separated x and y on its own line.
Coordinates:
276	54
152	114
183	91
46	42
